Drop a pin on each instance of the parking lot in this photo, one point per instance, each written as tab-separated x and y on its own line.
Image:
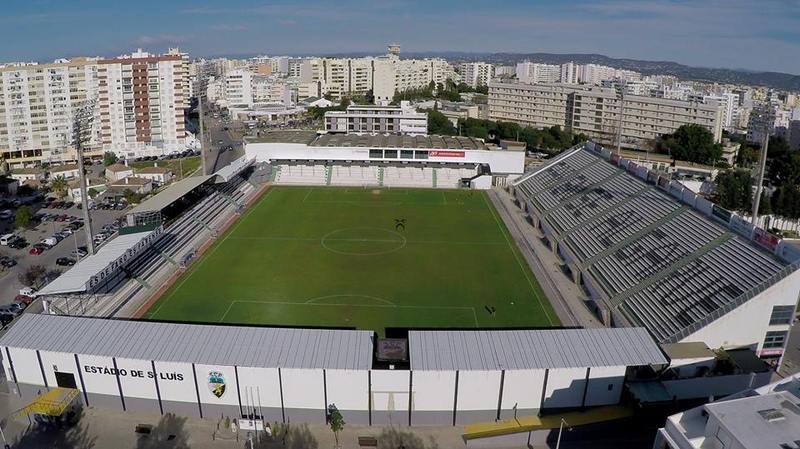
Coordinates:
54	221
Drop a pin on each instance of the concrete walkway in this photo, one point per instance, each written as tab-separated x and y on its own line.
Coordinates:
566	297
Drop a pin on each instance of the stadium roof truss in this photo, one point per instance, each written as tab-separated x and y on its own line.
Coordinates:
655	261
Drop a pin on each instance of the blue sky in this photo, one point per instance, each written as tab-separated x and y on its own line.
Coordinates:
751	34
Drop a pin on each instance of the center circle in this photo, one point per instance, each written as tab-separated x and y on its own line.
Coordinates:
363	241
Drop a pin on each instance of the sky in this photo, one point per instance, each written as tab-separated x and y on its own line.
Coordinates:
759	35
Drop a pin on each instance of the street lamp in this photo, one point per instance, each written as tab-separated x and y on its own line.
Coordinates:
561	429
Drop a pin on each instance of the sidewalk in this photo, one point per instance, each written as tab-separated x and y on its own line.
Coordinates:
102	428
565	297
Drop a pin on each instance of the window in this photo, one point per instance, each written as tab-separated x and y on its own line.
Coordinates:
610	387
781	315
775	339
375	154
406	154
421	155
390	154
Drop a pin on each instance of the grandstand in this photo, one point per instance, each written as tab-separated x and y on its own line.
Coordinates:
308	158
649	253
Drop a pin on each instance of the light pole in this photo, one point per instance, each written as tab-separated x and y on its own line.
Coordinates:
82	117
621	112
561	429
767	123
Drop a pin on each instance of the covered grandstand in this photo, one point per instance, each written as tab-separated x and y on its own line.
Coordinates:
650	253
386	160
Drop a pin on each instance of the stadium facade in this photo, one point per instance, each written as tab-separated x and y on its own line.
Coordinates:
650	252
308	158
291	375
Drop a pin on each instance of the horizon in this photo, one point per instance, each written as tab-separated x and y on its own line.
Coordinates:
707	34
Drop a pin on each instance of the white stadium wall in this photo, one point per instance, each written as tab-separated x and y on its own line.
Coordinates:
390	396
139	385
522	390
263	385
565	387
605	385
751	319
500	161
478	396
434	397
349	390
176	385
303	395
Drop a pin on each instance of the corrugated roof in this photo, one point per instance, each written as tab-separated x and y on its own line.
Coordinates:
77	278
263	347
169	195
234	168
532	349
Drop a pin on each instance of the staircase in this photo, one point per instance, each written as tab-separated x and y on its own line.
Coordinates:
380	176
328	174
276	173
433	177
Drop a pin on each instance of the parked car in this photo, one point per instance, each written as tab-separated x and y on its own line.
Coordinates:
14	309
65	262
6	239
79	252
36	250
67	231
18	243
7	261
6	214
6	319
25	299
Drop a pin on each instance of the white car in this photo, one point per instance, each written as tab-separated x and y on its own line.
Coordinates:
6	214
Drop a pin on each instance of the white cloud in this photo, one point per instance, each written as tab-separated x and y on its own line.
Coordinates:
162	39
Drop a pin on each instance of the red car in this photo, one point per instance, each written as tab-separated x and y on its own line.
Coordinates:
27	300
36	250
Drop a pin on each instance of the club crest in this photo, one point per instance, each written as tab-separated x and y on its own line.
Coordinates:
216	383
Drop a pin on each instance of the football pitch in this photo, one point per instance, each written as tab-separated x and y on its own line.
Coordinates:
362	258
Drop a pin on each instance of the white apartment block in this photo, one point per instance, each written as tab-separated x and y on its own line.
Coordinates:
142	99
358	119
534	73
476	74
238	89
37	104
595	111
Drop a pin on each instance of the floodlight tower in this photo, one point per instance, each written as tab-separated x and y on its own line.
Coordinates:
82	132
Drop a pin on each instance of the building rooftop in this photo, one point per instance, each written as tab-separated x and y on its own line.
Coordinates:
313	139
653	260
688	350
116	168
27	171
169	195
764	421
131	181
486	350
257	347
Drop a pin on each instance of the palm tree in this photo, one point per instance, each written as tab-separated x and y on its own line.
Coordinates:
59	185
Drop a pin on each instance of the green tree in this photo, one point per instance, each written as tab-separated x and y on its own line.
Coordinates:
786	201
131	197
764	205
335	421
23	217
109	158
734	190
93	192
438	124
691	143
59	185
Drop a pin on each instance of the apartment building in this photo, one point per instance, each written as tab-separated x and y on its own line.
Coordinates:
142	99
237	89
384	76
531	72
476	74
37	104
358	119
595	111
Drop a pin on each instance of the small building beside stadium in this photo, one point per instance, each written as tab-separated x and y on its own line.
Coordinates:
286	374
386	160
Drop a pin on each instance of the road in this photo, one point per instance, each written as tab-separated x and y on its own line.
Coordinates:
220	138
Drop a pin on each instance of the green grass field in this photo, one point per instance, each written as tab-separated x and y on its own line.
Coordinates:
306	256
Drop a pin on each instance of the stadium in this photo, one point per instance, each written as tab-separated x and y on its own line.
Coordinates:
390	275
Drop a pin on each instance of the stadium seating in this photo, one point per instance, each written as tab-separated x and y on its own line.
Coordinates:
643	254
302	174
449	178
354	175
408	177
